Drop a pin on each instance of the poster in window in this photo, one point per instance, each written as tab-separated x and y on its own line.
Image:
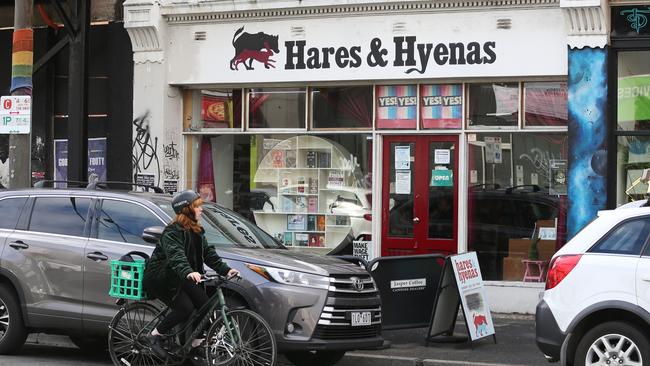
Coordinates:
396	106
557	176
441	106
216	112
493	153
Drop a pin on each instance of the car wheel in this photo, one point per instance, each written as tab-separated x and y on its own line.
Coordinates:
314	358
613	343
12	328
90	345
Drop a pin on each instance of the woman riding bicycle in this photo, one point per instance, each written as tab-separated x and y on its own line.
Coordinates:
173	272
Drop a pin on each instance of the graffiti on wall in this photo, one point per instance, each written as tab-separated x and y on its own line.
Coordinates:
145	148
587	135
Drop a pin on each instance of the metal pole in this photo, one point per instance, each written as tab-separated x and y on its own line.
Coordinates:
22	61
77	93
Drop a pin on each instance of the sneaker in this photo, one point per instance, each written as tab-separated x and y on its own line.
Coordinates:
154	343
197	356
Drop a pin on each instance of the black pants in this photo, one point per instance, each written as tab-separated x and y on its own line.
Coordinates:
190	296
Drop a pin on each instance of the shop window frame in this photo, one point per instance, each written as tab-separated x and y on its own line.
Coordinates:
522	97
467	101
194	102
310	109
261	130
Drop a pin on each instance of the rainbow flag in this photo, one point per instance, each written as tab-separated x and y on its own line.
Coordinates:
22	60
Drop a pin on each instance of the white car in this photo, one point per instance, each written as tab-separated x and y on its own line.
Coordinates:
596	307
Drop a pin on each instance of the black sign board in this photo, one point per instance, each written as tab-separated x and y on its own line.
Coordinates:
630	21
460	287
407	287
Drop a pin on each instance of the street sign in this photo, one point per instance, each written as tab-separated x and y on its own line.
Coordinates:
15	114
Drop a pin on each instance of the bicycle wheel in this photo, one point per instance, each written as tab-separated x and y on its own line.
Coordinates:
257	346
123	332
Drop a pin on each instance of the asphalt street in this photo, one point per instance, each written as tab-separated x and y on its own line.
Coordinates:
515	347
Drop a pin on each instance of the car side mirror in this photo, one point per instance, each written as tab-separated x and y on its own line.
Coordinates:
152	234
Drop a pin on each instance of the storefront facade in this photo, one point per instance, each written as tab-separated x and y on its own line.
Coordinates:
376	128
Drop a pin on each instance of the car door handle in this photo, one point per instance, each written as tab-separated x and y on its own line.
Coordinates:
97	256
18	244
646	279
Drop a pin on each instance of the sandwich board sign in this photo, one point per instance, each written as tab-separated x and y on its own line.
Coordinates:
461	286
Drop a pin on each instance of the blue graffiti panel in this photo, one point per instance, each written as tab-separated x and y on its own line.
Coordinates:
587	135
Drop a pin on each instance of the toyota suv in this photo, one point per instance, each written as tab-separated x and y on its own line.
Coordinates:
596	307
55	251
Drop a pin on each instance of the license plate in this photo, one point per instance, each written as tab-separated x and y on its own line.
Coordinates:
360	318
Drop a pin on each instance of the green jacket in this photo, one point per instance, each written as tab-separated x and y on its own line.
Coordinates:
178	254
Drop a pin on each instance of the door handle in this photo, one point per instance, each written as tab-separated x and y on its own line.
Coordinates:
646	279
416	220
97	256
18	244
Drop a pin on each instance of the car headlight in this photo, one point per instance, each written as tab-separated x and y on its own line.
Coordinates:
291	277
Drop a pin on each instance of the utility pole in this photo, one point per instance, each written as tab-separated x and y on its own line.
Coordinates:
22	61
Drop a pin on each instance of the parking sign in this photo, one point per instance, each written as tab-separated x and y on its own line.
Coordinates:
15	114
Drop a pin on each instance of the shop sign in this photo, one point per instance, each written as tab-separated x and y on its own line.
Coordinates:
630	21
441	178
15	114
330	49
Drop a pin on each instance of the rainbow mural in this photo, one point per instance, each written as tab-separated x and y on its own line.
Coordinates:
22	60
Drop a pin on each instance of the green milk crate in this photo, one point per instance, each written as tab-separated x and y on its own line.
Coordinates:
126	280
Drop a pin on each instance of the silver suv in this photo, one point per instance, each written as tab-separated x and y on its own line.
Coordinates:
55	251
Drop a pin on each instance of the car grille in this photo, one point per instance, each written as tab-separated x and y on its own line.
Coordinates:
342	299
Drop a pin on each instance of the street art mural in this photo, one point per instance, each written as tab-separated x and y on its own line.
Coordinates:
587	135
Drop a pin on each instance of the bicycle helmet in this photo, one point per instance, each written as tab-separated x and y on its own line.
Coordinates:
183	199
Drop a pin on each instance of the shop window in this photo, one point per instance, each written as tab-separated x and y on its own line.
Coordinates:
633	112
441	106
215	109
312	193
632	169
342	107
517	191
396	106
545	104
493	105
277	108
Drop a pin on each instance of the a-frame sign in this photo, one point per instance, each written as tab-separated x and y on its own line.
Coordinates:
461	285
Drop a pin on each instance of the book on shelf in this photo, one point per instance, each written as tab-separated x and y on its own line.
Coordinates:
320	223
290	158
296	222
277	158
311	223
310	159
288	238
301	184
312	204
287	204
301	203
335	179
312	186
324	159
285	183
302	239
316	240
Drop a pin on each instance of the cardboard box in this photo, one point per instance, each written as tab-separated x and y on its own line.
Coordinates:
513	269
518	248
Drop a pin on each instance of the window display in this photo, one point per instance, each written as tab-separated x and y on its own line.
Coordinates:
216	109
545	104
279	108
342	107
494	104
317	194
517	185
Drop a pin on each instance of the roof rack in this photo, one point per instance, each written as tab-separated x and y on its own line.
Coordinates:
96	185
41	183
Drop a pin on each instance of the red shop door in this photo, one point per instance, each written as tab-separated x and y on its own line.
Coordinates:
420	195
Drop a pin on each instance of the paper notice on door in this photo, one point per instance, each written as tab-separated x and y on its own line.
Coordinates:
402	157
534	179
403	182
473	176
442	156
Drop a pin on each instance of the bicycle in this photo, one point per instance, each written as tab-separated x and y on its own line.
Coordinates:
234	337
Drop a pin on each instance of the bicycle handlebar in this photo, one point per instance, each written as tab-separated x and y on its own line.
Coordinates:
210	278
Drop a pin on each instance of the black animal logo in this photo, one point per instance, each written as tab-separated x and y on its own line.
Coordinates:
249	47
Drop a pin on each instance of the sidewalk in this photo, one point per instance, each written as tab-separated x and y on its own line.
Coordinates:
515	347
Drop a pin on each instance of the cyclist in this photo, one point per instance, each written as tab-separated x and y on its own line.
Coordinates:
173	272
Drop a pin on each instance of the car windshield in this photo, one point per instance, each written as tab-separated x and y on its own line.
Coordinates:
225	228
